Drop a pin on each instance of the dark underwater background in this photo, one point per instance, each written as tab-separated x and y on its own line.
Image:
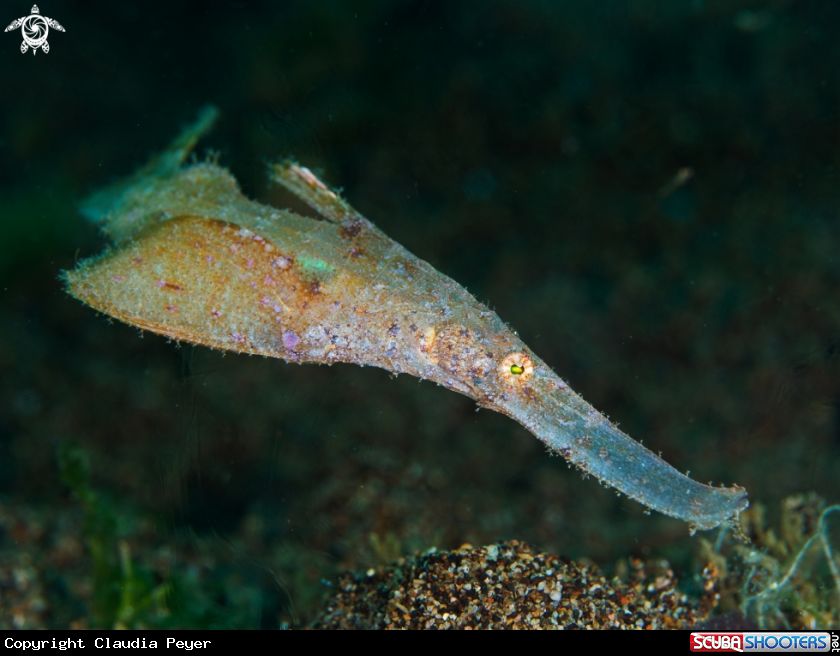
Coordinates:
646	190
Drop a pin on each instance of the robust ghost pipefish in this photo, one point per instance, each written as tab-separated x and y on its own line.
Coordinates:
195	260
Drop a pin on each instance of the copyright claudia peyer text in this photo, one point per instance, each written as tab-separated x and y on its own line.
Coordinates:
105	643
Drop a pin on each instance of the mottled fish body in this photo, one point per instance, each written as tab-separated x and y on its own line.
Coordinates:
195	260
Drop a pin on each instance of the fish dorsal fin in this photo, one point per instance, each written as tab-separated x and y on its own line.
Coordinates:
301	182
105	205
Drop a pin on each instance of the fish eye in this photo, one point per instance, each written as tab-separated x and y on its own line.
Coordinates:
516	368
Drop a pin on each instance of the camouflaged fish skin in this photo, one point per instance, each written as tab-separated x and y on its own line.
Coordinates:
196	261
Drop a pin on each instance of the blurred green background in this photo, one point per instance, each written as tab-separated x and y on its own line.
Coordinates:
645	189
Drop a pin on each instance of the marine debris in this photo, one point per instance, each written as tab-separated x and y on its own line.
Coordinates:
507	586
195	260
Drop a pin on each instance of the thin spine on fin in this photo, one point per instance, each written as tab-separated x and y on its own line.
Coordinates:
304	184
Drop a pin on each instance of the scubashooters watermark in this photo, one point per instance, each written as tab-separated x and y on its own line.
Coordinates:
765	641
35	29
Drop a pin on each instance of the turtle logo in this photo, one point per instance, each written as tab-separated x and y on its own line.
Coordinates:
34	29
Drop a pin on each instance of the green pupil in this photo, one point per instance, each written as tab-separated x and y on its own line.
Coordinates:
515	369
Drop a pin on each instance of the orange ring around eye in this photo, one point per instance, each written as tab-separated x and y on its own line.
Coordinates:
516	368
